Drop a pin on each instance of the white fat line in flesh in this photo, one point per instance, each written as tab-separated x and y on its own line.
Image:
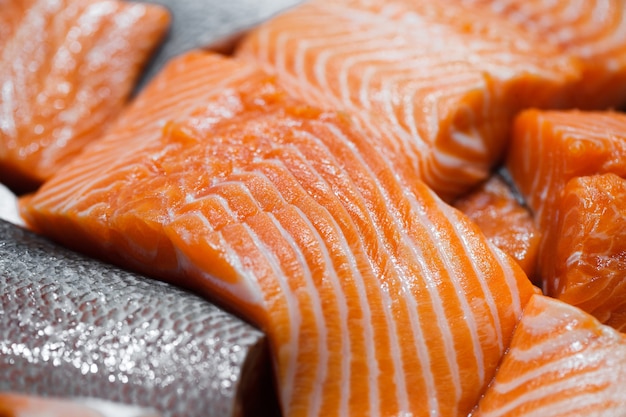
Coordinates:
374	389
365	309
108	190
7	108
321	375
316	302
391	325
287	383
261	45
609	403
30	32
366	88
312	291
444	255
83	178
444	161
245	290
421	348
561	388
603	11
419	336
503	266
583	358
316	396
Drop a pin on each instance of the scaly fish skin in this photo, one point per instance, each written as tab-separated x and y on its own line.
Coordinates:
71	326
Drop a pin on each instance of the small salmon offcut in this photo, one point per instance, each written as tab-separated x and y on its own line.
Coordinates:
436	85
562	362
593	31
378	299
504	220
590	251
581	252
67	68
22	405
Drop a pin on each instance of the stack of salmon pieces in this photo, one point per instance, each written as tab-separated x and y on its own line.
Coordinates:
306	182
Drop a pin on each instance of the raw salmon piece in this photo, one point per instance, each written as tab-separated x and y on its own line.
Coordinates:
23	405
548	149
593	31
504	220
12	13
437	87
562	362
66	70
187	82
590	235
378	299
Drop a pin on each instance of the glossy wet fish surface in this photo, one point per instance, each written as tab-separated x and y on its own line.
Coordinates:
70	326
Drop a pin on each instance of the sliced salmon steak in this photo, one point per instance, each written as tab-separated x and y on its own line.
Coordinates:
436	85
378	298
593	31
505	221
562	362
66	69
590	244
550	148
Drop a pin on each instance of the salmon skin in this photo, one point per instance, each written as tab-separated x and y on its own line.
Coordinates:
66	70
20	405
593	31
548	150
562	361
288	216
436	84
74	327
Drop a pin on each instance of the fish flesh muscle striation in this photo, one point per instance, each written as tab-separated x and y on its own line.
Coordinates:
377	297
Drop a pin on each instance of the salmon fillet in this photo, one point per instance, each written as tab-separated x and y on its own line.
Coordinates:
550	149
378	299
505	221
562	362
436	86
66	69
593	31
590	246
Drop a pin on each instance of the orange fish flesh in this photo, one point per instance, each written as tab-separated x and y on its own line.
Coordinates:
590	247
437	86
504	220
378	298
593	31
66	70
562	362
550	149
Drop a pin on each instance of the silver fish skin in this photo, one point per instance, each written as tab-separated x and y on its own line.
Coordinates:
75	327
